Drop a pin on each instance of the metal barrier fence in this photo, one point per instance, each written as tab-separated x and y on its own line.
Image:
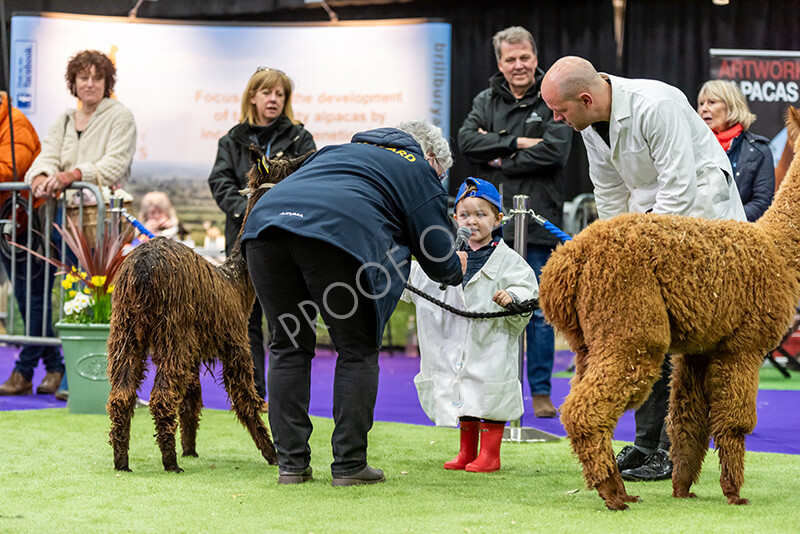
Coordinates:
21	223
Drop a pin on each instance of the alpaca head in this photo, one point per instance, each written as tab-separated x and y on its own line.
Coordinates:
265	173
793	125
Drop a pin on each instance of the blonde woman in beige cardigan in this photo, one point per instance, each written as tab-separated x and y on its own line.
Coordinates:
94	143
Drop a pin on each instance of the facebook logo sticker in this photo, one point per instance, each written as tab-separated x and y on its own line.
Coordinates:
22	76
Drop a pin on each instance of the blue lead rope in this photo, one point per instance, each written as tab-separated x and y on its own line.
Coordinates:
555	230
550	227
139	226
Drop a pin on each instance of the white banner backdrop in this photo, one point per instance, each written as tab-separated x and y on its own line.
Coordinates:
184	81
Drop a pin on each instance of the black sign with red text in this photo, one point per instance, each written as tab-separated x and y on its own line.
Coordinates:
769	79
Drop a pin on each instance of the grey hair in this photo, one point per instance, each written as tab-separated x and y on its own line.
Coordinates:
431	139
512	35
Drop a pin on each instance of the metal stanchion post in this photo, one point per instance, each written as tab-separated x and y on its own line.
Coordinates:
516	432
115	217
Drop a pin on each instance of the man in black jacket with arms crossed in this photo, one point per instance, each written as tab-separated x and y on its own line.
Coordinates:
510	133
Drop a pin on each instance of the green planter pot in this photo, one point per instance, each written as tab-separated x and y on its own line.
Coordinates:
86	359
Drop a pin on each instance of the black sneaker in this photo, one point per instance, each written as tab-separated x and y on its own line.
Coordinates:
657	466
630	458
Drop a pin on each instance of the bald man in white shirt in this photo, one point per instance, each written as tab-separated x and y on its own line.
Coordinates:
648	151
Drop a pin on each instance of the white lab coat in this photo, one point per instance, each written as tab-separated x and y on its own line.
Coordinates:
663	157
470	367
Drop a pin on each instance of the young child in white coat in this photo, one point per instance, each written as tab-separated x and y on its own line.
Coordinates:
469	368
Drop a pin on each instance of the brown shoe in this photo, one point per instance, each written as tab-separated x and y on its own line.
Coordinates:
265	407
50	383
16	385
543	407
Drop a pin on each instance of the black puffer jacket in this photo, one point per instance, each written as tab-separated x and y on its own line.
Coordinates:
229	174
535	171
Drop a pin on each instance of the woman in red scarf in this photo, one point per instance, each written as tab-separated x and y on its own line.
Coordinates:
723	107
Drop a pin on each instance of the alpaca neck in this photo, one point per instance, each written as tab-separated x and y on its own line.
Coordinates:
782	219
234	270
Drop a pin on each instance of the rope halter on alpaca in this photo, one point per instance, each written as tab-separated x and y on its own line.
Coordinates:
263	167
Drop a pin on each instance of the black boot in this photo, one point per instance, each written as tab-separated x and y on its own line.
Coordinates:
657	466
630	457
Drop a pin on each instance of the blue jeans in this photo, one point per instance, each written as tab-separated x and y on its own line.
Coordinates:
539	335
31	354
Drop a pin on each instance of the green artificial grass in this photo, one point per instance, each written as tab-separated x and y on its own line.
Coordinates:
771	378
56	475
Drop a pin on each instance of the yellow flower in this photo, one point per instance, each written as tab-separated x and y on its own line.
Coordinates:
66	283
111	288
71	278
87	290
98	281
72	293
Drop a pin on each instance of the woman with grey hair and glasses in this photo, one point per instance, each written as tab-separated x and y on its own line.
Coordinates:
335	238
268	122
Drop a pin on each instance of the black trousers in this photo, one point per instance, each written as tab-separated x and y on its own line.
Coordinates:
295	278
651	417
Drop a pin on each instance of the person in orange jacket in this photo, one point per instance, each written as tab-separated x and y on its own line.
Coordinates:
26	148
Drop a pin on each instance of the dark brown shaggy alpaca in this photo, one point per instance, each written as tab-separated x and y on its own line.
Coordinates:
717	294
172	303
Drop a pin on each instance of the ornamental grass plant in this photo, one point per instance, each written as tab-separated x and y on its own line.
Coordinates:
88	271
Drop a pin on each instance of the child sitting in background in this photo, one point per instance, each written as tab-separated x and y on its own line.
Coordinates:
469	368
158	215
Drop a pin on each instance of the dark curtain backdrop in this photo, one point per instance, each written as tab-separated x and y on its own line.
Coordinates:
669	40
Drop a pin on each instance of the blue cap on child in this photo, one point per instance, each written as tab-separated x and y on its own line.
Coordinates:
484	190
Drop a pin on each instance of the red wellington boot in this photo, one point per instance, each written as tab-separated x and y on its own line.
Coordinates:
489	458
470	431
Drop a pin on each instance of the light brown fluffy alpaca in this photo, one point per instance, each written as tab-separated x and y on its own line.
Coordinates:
717	294
172	303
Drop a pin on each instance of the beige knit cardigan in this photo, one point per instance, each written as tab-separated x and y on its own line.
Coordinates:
102	153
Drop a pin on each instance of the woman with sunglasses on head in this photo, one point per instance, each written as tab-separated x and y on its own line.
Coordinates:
267	121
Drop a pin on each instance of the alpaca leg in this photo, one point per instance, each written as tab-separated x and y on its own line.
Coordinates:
591	412
580	363
191	406
237	374
687	424
732	387
126	359
164	399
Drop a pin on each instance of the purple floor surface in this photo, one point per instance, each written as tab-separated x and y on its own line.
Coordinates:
778	426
